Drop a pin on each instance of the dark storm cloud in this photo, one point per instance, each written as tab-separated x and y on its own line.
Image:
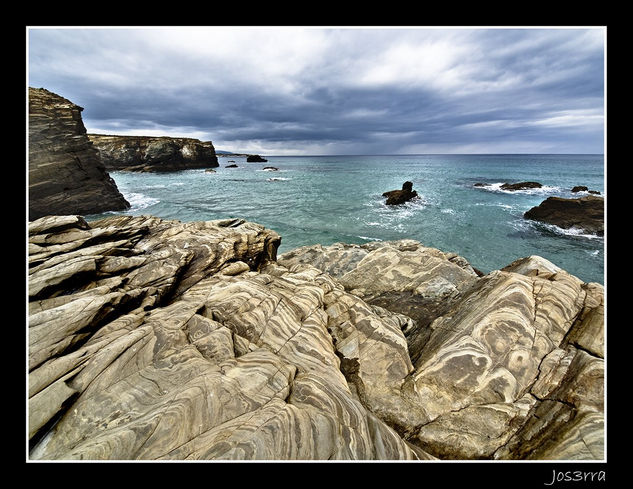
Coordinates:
291	91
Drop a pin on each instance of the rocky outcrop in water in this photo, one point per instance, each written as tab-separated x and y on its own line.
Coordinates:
154	154
162	340
255	159
585	213
396	197
584	188
520	186
66	175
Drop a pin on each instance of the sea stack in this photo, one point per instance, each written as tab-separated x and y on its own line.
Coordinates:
66	175
255	159
395	197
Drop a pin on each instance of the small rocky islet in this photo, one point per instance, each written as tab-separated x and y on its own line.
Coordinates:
584	213
154	339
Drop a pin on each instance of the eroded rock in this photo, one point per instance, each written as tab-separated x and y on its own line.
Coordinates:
192	341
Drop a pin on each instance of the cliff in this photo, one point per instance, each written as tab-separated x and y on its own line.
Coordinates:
160	340
154	154
66	175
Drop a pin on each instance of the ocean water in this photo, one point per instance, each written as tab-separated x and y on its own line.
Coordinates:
328	199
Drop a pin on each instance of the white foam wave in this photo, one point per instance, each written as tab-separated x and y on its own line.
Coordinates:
574	232
370	239
140	201
496	187
277	179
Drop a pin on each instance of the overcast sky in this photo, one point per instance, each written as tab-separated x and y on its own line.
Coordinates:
292	90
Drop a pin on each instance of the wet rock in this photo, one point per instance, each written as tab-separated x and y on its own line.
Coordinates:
520	186
396	197
585	213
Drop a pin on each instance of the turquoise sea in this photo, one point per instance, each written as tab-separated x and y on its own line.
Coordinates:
328	199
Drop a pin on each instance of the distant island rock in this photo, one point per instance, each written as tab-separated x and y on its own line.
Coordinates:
154	154
586	213
255	159
66	175
396	197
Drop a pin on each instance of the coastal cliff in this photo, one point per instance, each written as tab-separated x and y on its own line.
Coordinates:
153	154
65	172
161	340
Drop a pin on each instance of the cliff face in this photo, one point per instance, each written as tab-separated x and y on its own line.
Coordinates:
66	175
156	339
156	154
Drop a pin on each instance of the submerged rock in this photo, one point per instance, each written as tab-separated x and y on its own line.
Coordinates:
231	166
66	175
585	213
161	340
396	197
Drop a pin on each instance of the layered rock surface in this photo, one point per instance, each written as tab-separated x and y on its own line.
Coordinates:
154	339
65	172
154	154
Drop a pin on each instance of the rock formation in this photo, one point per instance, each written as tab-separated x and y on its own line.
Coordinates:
584	188
255	159
66	175
161	340
520	186
396	197
154	154
585	213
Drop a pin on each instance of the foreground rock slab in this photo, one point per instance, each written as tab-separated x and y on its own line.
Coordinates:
486	351
160	340
186	341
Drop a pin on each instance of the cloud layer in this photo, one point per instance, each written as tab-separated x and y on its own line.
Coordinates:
290	90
